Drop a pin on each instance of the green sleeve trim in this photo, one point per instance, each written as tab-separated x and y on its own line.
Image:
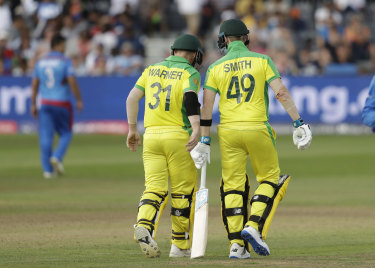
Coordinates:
139	87
210	88
272	65
185	119
266	100
190	89
195	77
273	78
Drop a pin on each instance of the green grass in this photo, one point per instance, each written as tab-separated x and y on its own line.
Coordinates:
85	218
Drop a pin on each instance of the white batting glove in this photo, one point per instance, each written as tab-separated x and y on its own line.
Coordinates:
302	134
201	152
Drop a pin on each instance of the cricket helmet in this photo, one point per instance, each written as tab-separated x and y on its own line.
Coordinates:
189	42
232	27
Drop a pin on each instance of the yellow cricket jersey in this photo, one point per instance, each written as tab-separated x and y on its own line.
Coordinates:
164	85
241	78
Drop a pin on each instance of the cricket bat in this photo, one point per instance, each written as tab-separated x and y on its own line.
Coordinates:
200	228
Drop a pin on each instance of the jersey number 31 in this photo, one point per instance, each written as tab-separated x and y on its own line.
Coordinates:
167	89
238	95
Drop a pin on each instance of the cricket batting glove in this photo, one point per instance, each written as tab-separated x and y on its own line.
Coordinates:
302	134
201	152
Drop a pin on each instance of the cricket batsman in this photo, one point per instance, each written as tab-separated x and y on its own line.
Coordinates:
171	120
368	113
54	79
241	78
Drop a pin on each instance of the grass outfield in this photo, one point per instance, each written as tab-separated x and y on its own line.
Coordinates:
85	218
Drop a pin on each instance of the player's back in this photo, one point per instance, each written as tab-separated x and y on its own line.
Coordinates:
52	72
241	79
164	85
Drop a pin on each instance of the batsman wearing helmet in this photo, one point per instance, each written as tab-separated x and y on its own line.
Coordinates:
171	120
241	78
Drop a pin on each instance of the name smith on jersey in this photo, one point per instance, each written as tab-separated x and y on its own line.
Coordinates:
237	66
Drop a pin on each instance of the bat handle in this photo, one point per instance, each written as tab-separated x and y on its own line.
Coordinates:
203	176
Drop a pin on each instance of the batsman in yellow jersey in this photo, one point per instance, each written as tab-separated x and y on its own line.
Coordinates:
171	120
241	78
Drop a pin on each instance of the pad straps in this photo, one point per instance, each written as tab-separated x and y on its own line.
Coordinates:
236	211
180	235
268	201
184	212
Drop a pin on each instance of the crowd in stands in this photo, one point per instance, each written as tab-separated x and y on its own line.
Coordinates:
108	37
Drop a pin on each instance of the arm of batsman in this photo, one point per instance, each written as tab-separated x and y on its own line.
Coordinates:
200	154
302	137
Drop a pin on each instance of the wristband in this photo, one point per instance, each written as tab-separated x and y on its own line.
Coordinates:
297	123
206	140
206	122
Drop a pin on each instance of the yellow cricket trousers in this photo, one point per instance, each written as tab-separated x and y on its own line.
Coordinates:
237	143
165	155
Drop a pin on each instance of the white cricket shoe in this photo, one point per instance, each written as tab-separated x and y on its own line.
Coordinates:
238	252
252	236
49	175
148	245
58	167
176	252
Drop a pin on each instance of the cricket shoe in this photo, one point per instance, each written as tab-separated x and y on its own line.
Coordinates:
176	252
255	239
238	252
147	244
58	167
49	175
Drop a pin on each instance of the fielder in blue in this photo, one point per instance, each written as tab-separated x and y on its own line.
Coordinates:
368	114
54	79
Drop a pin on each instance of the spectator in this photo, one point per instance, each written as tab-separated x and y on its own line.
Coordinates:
284	63
357	35
119	6
324	13
98	62
43	46
350	5
305	64
48	9
128	63
28	7
343	66
191	11
6	54
242	7
2	70
79	64
5	15
68	27
207	16
76	9
297	24
281	6
106	37
323	58
280	38
128	36
18	28
27	48
154	19
84	43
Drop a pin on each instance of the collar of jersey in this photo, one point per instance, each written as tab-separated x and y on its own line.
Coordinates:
55	53
236	46
177	59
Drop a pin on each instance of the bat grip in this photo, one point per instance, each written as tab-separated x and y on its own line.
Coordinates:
203	176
